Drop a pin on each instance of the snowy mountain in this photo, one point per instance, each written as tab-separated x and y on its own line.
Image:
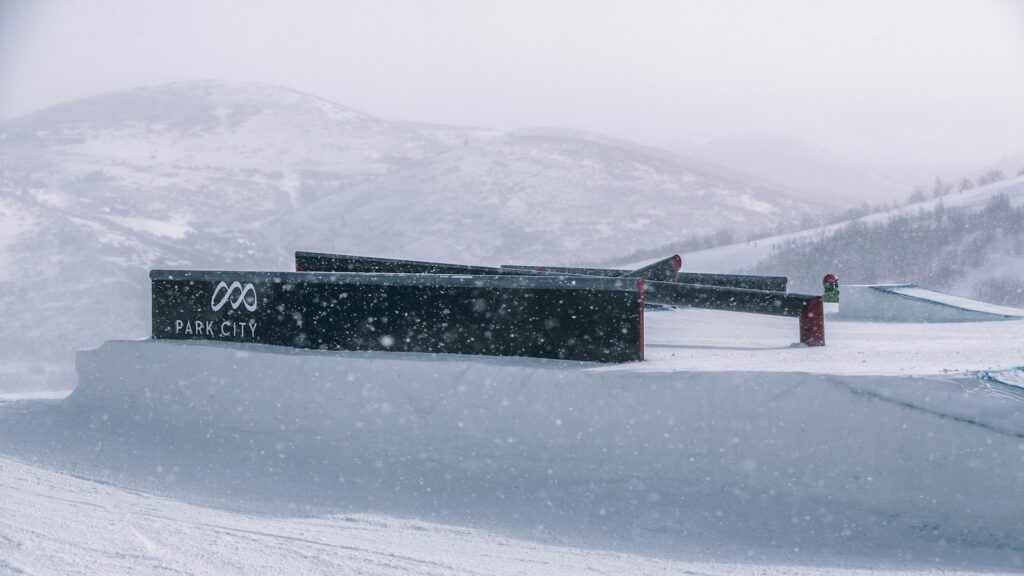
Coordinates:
538	196
801	166
207	155
96	192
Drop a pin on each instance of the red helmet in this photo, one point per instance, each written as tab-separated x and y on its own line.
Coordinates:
830	279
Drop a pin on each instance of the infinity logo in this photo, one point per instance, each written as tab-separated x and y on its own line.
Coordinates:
243	292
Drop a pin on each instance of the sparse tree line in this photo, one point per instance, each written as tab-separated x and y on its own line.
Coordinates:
975	252
941	188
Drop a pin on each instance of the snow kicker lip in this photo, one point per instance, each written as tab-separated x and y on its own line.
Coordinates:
571	318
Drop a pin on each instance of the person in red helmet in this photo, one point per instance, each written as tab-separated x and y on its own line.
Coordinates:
831	297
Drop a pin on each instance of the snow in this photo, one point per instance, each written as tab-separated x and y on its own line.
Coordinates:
14	222
730	451
529	197
6	397
744	255
174	228
723	341
108	530
1013	378
918	293
910	303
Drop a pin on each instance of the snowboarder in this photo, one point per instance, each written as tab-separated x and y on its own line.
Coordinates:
831	297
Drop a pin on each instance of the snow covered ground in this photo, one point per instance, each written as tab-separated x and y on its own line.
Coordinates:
897	447
714	341
53	523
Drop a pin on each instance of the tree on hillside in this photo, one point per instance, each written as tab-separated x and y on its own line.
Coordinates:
941	188
943	248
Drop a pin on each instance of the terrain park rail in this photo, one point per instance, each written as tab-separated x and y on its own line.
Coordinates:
665	285
665	269
339	302
769	283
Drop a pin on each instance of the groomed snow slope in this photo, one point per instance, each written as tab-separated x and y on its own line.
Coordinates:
910	303
729	445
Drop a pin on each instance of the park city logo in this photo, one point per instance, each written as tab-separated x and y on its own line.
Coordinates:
236	294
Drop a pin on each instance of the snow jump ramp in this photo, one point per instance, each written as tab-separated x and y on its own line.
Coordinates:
911	303
682	452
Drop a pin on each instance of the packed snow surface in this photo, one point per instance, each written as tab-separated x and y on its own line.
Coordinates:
724	341
910	303
918	293
731	450
59	524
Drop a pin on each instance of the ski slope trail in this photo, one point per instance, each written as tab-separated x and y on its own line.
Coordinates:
730	451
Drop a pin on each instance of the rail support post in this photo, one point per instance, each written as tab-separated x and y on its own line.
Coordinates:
812	323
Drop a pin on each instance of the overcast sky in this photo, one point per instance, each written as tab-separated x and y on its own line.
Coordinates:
920	82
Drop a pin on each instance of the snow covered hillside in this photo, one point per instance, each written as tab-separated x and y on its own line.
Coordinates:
970	243
96	192
533	196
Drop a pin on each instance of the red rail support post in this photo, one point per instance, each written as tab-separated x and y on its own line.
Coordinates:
640	284
812	323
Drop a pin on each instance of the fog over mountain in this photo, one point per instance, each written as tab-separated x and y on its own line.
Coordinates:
803	166
1011	165
97	192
